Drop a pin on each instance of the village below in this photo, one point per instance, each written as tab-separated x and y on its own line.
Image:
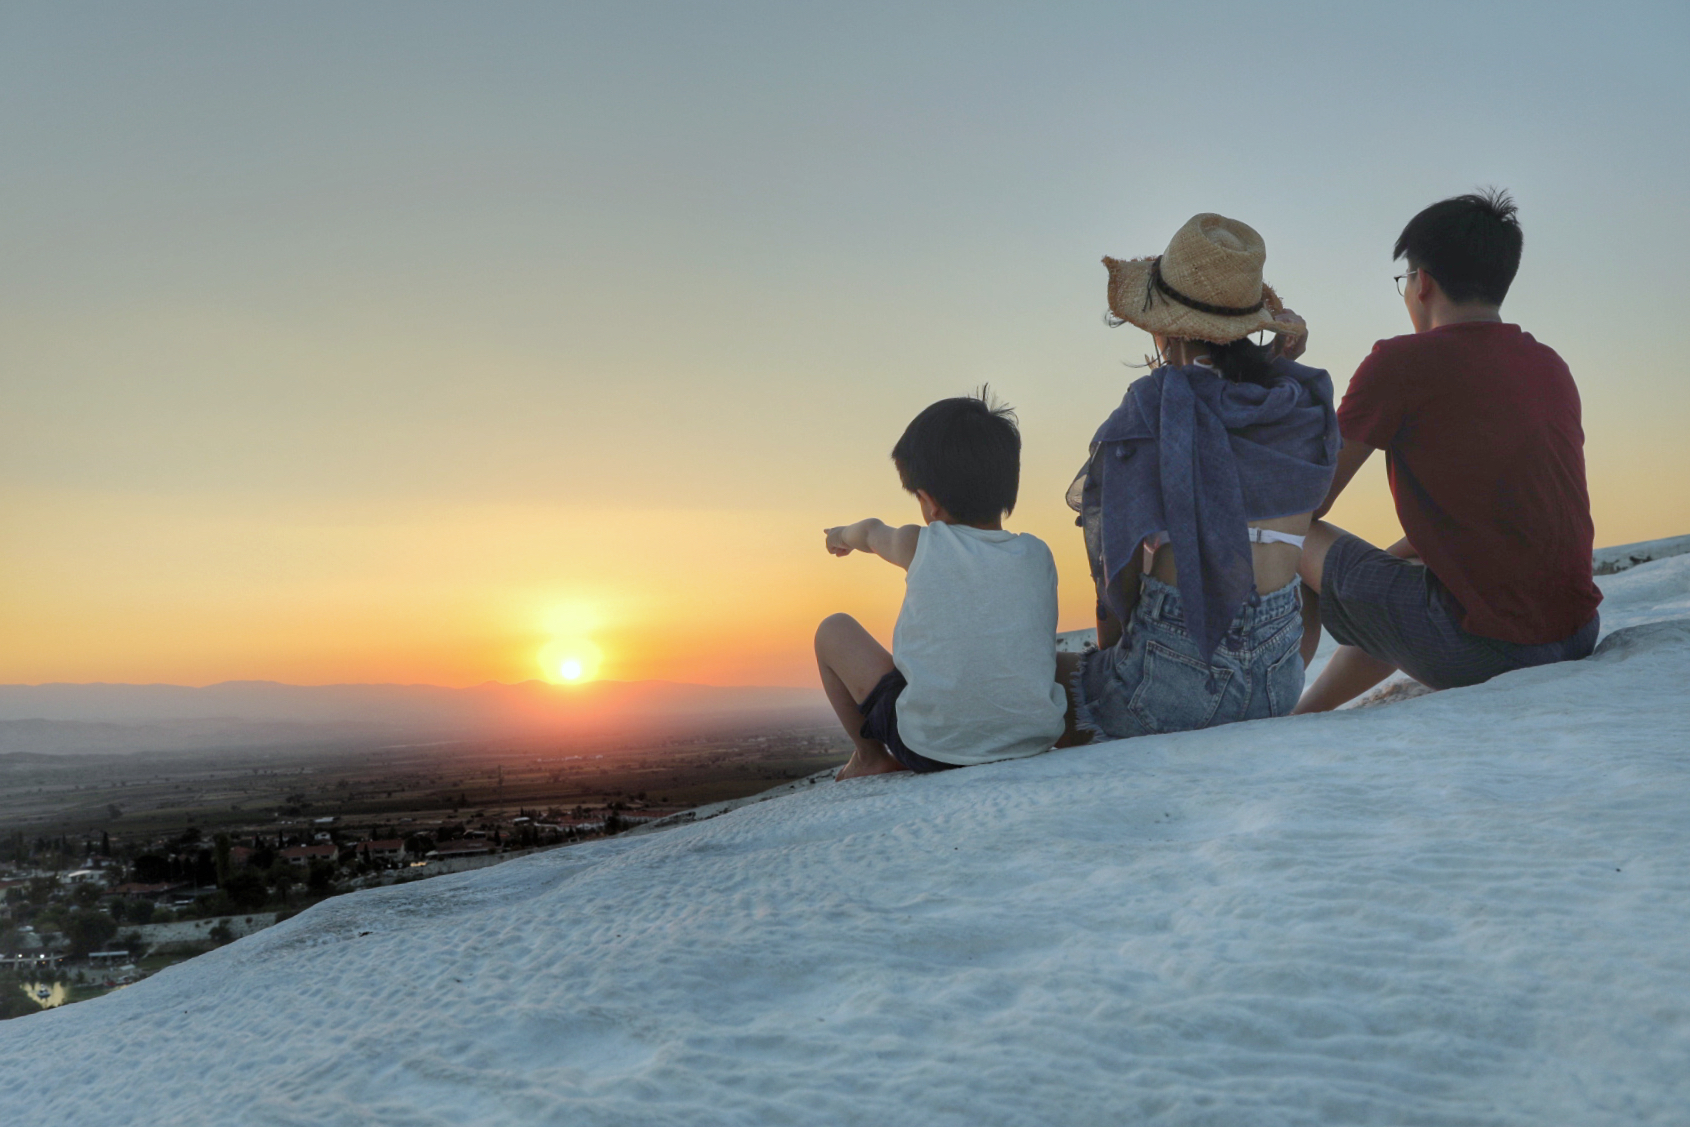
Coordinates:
113	868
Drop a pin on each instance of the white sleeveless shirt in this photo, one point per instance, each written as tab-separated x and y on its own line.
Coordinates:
976	640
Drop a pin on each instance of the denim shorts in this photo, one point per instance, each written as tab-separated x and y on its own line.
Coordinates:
1155	679
1398	611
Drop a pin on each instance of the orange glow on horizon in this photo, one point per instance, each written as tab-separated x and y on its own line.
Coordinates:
192	591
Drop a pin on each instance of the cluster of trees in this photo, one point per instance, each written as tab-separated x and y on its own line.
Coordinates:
266	879
13	1001
89	916
60	852
263	878
76	915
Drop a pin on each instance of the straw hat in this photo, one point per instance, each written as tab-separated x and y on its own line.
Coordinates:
1206	286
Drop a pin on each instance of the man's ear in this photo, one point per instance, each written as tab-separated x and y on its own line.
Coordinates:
1425	286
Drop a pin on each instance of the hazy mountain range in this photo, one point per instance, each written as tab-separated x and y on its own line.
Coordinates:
59	719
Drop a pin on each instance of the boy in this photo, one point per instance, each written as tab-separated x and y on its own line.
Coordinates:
971	675
1483	443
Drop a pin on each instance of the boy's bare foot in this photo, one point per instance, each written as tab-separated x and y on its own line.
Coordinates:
864	762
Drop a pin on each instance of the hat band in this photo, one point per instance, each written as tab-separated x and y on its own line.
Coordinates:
1158	283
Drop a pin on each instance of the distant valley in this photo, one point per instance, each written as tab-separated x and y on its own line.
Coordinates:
105	719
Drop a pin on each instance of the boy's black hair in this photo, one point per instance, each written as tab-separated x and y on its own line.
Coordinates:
966	453
1470	244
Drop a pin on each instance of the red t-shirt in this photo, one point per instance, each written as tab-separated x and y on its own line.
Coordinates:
1485	451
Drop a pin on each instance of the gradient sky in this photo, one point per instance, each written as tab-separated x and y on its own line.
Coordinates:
395	342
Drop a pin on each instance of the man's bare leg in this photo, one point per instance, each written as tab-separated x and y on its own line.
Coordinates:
851	664
1350	673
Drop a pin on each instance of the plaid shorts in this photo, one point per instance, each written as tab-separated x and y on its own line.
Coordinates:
1397	610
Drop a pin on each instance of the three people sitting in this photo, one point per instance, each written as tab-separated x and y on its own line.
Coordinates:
1200	503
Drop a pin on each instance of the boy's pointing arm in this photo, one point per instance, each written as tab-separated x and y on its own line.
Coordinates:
894	545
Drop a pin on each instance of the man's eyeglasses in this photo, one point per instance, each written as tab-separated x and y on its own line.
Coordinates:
1402	282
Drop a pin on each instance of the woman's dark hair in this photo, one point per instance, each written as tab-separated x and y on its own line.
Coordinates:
1243	361
1469	244
966	453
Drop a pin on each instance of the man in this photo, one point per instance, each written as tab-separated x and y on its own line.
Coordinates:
1483	443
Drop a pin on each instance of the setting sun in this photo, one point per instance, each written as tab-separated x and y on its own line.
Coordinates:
570	659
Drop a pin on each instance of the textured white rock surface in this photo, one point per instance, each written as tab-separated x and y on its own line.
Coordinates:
1466	908
1620	557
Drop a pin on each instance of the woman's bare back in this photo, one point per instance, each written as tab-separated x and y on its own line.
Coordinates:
1276	564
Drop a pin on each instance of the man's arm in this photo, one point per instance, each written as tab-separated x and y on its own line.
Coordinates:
1350	458
894	545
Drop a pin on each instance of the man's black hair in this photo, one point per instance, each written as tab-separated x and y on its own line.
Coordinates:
966	453
1470	244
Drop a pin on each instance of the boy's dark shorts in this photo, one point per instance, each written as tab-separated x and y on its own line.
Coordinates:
880	722
1397	610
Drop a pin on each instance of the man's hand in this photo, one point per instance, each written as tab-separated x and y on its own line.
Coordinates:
1286	345
1403	550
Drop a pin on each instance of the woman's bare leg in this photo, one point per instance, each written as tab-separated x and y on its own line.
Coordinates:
851	664
1350	673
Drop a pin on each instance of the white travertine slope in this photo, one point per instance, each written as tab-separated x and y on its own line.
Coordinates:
1467	908
1622	557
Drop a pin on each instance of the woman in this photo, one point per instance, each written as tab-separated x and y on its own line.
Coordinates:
1197	495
